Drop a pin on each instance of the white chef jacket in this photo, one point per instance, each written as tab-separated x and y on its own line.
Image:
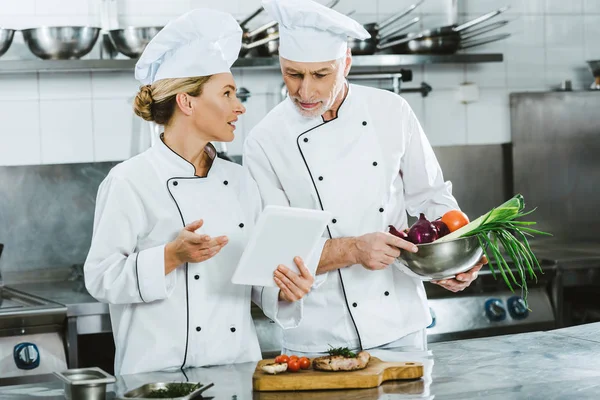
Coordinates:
194	316
369	166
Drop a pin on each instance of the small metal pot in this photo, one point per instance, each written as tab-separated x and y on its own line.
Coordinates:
6	38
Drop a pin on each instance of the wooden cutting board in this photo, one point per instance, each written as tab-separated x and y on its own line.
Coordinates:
375	374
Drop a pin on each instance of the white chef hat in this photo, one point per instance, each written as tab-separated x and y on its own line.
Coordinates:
311	32
201	42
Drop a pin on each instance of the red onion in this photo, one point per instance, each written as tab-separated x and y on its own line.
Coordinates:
422	231
400	234
441	227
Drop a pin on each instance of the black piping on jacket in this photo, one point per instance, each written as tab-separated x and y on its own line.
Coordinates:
322	208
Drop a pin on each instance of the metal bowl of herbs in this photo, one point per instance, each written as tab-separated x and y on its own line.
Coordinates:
168	390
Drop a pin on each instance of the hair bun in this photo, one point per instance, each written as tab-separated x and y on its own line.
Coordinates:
143	103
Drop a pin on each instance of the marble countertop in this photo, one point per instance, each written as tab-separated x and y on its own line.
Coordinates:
561	364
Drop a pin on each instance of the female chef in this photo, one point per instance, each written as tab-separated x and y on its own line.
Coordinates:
171	223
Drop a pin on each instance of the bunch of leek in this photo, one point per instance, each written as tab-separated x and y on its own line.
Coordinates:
500	227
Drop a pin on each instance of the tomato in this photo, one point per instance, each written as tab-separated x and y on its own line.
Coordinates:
282	359
293	357
293	366
455	219
304	363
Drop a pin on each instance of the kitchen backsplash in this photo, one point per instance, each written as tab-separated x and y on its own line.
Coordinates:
47	211
86	117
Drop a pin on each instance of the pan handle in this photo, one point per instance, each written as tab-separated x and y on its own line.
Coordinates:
400	29
399	41
251	17
484	29
480	19
260	42
261	29
401	14
479	42
332	4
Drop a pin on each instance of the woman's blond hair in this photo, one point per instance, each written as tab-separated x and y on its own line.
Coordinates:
157	102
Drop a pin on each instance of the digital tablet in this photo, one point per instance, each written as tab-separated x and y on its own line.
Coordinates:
281	233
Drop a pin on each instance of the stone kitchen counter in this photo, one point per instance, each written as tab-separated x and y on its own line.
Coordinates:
537	365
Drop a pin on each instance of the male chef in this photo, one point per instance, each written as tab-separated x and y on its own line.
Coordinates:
360	153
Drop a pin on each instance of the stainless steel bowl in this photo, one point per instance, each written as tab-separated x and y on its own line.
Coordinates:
6	37
132	41
61	42
442	260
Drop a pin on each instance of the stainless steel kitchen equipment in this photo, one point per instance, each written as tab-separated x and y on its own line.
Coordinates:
85	383
61	42
442	260
6	38
377	31
594	67
489	308
369	46
438	44
31	334
144	392
443	40
556	142
132	41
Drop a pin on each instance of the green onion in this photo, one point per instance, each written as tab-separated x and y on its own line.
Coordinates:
500	235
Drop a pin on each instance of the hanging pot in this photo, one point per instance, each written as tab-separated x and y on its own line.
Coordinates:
424	41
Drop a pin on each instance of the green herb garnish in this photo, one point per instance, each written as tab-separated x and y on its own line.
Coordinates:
341	351
173	390
499	230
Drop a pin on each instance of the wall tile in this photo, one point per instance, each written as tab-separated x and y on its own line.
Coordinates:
439	128
444	76
66	127
562	7
149	7
488	120
591	7
261	82
20	133
591	36
525	67
62	7
386	8
526	30
114	85
19	87
65	86
564	31
21	7
112	129
566	64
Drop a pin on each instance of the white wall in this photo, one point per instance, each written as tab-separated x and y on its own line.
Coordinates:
82	117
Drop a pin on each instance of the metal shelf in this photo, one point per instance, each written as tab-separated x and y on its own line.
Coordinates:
362	62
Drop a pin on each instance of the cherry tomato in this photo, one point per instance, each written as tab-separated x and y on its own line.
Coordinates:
455	219
304	363
293	357
283	358
293	366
